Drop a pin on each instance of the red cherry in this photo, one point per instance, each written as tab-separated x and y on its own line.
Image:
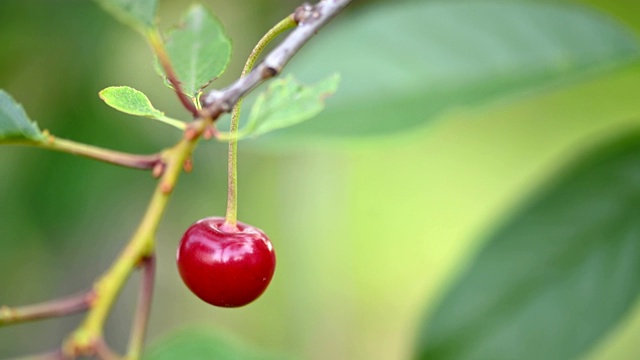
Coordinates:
225	267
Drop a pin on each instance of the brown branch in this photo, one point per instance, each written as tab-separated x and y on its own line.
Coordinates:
104	352
310	19
49	355
158	47
135	161
142	162
54	308
139	328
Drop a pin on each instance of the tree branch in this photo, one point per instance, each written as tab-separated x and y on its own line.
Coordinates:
310	19
59	307
158	47
49	355
139	329
142	162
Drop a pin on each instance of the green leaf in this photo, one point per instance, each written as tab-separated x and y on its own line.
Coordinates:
428	57
554	278
199	50
287	102
15	125
131	101
139	14
201	345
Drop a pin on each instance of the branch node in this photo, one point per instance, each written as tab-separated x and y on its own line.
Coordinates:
91	297
212	97
166	188
80	344
49	137
302	13
269	72
190	134
7	313
225	105
188	165
158	170
209	132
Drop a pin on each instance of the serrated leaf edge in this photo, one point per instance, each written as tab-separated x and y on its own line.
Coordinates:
252	125
181	25
40	136
119	14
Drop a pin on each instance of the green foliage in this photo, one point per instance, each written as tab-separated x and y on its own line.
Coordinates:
199	50
15	125
134	102
405	63
550	283
200	345
286	102
556	276
139	14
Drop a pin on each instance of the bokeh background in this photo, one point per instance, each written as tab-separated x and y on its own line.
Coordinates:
368	233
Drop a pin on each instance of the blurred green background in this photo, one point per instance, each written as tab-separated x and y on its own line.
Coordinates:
368	233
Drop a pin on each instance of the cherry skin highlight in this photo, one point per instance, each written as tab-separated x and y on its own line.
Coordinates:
225	267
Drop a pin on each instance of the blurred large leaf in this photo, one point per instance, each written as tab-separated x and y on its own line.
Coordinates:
557	276
139	14
199	50
403	63
287	102
200	345
14	122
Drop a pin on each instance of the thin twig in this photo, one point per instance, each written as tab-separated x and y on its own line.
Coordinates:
104	352
49	355
158	47
54	308
138	330
135	161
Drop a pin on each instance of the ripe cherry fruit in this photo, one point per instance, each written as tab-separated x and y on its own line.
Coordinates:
225	267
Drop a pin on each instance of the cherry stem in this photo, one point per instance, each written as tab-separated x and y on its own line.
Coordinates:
231	217
54	308
138	331
155	39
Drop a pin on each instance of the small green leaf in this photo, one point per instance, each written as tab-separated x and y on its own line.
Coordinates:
286	102
131	101
139	14
15	125
199	50
557	276
201	345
